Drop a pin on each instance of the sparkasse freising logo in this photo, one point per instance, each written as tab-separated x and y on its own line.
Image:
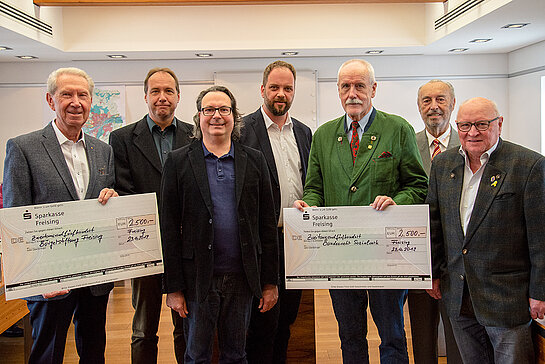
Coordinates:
27	215
306	216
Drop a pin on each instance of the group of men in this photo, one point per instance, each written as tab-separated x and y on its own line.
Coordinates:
222	185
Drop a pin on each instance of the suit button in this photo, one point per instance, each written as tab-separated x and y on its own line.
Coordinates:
461	277
464	251
209	246
210	221
353	188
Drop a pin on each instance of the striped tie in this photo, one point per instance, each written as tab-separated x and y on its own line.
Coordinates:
355	142
437	149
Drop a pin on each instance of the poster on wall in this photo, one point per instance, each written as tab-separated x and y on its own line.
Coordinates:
107	111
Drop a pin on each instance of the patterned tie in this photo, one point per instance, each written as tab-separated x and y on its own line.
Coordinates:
437	150
355	142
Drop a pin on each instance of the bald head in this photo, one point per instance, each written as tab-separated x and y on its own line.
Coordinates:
479	104
480	111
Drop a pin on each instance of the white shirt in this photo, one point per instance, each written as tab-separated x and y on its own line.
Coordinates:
76	159
287	161
443	140
471	185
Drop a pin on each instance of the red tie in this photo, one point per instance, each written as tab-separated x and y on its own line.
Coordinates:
437	150
355	142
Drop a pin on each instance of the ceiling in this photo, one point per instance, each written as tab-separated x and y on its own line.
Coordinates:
486	26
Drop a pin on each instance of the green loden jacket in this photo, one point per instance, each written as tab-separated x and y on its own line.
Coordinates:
388	163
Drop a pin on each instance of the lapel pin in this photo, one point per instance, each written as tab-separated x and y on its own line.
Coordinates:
340	139
452	175
102	171
369	146
492	179
373	137
493	184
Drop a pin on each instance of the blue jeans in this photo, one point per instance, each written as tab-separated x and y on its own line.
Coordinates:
227	307
489	345
350	307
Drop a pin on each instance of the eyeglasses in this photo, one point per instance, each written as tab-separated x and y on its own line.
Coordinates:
479	125
210	111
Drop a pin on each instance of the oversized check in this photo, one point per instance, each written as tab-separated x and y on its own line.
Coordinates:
75	244
357	247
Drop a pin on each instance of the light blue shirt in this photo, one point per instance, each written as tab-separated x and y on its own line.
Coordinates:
362	124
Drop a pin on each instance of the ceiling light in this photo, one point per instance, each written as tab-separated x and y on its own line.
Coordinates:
4	48
204	55
117	56
458	49
515	25
374	51
27	57
290	53
480	40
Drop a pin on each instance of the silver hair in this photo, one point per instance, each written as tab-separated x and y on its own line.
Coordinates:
53	77
448	84
367	65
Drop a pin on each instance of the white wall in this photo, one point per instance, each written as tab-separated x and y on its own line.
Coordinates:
22	99
526	66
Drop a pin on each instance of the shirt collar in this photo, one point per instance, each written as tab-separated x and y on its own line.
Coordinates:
443	138
207	153
151	123
62	139
269	122
363	122
484	157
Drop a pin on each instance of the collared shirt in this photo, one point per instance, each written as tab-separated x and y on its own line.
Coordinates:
75	156
164	139
362	127
443	140
471	185
221	180
287	161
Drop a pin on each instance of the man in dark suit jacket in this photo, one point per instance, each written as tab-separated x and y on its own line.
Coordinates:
218	231
285	143
61	163
436	102
140	150
487	204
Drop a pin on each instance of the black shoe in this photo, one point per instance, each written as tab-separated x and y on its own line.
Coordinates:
13	331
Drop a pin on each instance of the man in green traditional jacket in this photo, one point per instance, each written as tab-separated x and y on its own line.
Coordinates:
365	157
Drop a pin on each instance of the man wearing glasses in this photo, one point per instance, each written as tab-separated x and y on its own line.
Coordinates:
487	203
218	230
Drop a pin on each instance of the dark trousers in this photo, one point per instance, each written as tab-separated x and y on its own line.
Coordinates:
386	306
147	302
50	321
269	332
225	308
424	314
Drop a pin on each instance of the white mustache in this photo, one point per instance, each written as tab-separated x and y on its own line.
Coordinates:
354	102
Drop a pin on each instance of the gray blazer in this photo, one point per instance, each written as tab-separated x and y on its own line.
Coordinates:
35	172
424	146
501	257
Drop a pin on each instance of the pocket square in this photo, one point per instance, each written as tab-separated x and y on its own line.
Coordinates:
385	155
